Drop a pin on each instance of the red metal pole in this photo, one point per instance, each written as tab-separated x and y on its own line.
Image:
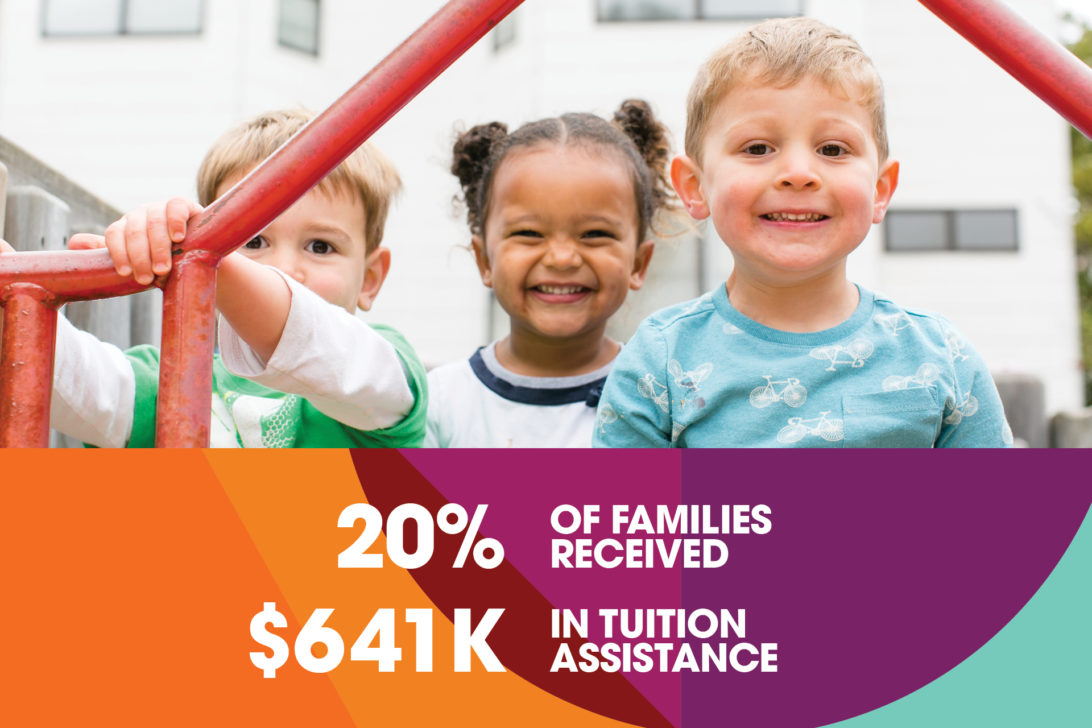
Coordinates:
185	361
26	365
1042	65
248	207
33	285
70	275
274	185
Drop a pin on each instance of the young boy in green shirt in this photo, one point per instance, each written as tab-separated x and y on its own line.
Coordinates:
296	367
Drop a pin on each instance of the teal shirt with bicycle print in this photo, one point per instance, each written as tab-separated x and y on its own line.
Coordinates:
701	374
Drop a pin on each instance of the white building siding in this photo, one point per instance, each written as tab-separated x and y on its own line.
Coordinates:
969	136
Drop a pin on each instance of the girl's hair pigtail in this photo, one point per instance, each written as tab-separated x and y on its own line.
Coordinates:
636	120
470	163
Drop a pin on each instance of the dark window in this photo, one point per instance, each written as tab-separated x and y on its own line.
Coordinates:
121	17
298	25
697	9
912	230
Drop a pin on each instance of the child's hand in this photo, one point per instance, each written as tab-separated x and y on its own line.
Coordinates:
86	241
140	242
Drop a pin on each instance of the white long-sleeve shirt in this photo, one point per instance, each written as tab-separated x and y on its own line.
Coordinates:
363	377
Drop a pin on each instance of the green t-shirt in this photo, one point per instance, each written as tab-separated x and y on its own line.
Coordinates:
248	414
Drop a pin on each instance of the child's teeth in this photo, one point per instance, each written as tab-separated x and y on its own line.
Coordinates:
560	290
795	217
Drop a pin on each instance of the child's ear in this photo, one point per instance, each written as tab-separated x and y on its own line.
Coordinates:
482	259
640	265
376	267
885	188
686	178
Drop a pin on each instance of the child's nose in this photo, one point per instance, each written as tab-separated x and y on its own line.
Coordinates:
287	261
797	171
562	252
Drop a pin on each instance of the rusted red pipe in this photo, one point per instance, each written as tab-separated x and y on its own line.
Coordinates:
26	365
248	207
185	362
33	285
1042	65
69	275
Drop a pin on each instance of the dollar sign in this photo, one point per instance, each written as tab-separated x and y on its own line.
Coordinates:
268	664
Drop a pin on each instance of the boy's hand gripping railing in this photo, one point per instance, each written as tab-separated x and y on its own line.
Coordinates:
1046	68
34	285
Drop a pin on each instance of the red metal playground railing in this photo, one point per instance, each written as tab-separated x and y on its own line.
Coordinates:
34	285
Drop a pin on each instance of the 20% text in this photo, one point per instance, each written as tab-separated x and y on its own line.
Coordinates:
451	519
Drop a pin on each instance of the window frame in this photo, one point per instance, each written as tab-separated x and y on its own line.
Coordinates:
122	27
505	34
699	14
281	42
951	243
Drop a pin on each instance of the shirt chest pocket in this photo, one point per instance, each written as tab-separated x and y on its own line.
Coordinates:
902	418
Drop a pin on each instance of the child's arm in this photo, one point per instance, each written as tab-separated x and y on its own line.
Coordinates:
363	377
94	389
256	300
277	332
634	410
974	415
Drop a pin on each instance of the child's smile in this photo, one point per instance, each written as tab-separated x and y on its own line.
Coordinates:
794	218
561	241
558	293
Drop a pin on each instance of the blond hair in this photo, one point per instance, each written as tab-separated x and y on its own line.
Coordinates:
782	52
366	172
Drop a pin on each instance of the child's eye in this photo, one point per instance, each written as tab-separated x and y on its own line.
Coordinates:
320	247
758	149
525	234
599	234
833	150
256	243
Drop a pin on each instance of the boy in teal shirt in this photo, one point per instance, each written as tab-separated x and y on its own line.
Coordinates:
786	150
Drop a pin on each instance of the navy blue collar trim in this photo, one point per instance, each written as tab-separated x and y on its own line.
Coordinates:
586	393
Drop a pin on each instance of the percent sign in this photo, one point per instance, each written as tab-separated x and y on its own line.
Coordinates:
451	519
458	524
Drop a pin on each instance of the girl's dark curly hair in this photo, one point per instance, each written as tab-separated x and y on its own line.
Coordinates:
634	132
